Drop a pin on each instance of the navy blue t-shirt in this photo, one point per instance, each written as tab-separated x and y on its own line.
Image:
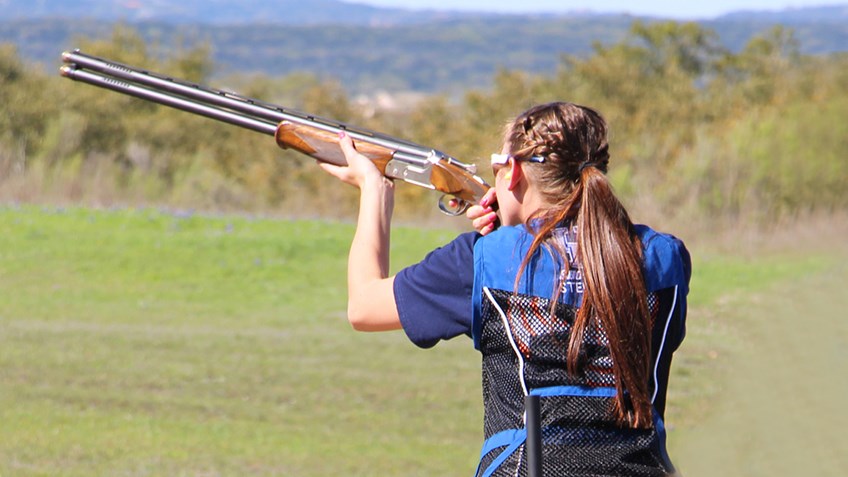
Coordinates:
440	286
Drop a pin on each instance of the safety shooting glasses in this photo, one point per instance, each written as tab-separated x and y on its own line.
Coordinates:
502	159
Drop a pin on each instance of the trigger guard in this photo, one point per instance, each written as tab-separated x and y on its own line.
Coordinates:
460	209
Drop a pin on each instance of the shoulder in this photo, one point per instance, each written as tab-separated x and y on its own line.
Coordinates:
501	251
666	261
450	259
466	240
504	236
462	245
433	296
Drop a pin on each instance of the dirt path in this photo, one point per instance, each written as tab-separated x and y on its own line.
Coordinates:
782	408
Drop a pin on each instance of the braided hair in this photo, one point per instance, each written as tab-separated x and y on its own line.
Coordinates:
572	181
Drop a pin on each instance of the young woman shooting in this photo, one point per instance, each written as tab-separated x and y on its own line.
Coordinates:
566	299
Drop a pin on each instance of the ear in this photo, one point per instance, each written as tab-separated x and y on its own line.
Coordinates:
514	175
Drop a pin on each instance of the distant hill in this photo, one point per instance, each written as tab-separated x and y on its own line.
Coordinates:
370	48
834	14
222	12
322	12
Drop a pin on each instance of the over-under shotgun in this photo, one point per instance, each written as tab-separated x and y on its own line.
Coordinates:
312	135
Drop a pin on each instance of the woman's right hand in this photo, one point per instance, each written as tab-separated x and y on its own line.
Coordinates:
483	216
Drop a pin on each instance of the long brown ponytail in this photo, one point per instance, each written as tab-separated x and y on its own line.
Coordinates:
573	141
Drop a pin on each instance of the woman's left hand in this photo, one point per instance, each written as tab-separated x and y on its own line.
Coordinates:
359	169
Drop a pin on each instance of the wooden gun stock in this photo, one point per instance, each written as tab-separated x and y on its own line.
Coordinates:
323	145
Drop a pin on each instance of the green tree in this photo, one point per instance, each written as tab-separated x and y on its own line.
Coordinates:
27	102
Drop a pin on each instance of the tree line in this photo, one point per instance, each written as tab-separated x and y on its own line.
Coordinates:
697	130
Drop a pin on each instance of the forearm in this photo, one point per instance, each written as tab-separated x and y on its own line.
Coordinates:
371	304
369	252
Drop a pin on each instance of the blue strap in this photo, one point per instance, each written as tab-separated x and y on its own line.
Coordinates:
501	439
586	391
518	436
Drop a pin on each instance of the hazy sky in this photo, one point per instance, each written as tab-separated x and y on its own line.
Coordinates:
664	8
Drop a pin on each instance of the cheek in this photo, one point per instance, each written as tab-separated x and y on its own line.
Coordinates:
501	189
507	205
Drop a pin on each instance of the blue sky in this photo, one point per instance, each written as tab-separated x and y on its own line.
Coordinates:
674	9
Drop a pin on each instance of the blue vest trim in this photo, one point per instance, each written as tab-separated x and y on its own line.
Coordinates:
584	391
502	439
659	425
512	439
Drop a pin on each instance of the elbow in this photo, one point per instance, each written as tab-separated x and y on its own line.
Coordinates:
372	308
357	317
365	317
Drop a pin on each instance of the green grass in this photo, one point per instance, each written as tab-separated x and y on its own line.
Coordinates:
778	409
141	342
757	388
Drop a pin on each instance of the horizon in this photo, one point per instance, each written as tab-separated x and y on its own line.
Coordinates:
657	8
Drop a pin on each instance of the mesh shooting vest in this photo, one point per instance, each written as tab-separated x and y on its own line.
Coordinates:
524	351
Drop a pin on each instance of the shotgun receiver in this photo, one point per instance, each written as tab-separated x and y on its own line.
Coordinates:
311	135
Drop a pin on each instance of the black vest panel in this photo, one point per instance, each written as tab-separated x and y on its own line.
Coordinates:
524	351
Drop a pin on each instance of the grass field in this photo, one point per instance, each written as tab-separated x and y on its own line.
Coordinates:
146	343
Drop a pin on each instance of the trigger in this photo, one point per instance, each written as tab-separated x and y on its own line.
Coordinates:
452	205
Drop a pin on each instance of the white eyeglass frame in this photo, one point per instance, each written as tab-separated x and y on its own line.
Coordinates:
502	159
